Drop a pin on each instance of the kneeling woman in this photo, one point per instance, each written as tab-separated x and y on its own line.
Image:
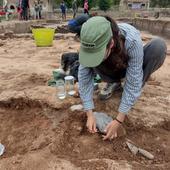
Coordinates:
115	51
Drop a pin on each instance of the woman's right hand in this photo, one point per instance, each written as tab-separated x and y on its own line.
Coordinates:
91	122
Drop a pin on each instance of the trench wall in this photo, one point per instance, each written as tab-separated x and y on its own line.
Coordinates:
18	27
158	27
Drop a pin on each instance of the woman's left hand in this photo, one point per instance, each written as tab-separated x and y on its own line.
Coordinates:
111	130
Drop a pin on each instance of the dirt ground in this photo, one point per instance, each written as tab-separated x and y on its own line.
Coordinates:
41	133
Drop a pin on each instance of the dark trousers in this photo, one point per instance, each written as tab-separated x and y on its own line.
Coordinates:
25	13
154	56
86	11
74	13
39	14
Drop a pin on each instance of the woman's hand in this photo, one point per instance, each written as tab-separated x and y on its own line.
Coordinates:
112	127
111	130
91	122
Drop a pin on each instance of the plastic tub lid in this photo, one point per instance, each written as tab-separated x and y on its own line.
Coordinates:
68	77
2	149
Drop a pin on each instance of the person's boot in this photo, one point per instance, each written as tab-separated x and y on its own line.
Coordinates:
108	90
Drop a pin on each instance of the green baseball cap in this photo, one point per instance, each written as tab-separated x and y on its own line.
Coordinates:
95	35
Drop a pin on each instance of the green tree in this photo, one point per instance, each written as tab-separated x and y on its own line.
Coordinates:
158	3
80	3
1	3
68	3
91	3
104	4
115	2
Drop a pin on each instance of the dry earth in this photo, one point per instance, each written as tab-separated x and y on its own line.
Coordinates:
41	133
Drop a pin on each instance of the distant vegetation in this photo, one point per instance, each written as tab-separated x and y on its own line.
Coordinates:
102	4
160	3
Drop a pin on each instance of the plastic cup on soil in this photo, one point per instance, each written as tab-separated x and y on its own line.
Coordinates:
69	83
60	87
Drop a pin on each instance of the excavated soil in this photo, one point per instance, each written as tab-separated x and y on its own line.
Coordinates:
40	132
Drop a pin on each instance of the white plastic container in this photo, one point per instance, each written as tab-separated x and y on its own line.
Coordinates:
2	149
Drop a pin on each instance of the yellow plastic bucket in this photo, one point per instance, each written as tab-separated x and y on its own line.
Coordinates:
43	36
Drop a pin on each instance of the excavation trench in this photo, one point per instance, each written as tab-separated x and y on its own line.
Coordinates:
30	125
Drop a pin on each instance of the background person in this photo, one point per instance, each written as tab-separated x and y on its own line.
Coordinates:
40	9
63	10
25	7
75	24
86	7
74	7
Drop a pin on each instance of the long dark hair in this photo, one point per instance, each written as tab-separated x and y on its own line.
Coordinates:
118	56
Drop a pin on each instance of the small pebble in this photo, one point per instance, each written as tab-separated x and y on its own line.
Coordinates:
78	107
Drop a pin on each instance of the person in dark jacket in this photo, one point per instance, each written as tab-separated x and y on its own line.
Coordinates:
63	10
25	7
75	24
